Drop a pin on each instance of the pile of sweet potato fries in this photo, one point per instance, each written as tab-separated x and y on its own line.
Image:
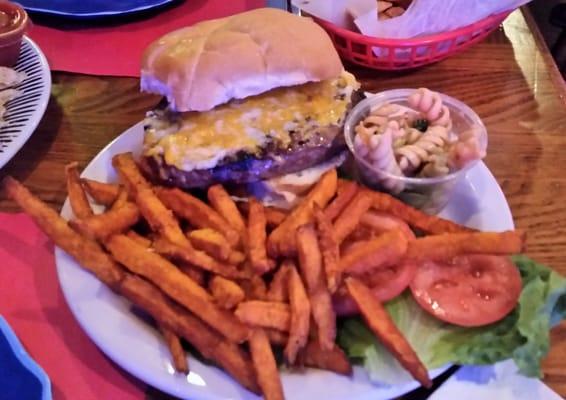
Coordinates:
236	279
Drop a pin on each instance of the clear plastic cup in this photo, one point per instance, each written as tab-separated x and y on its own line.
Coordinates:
427	194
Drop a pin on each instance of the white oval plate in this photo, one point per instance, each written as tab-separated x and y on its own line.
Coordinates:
138	348
24	112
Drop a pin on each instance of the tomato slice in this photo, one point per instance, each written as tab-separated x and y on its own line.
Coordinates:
385	283
470	290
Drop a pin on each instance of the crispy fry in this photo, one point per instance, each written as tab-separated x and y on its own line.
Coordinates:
427	223
329	249
385	250
102	193
87	252
197	213
273	216
313	355
265	366
116	220
310	261
122	198
384	328
349	219
221	201
254	287
207	341
211	242
176	284
178	355
145	242
276	338
282	241
151	208
278	286
77	197
447	246
256	238
346	192
226	293
195	274
380	222
196	258
300	315
265	314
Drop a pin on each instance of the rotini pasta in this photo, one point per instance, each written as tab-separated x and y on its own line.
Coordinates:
430	105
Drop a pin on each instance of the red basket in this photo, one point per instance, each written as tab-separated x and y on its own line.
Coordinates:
398	54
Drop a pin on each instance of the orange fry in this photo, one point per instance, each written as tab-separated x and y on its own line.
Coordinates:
207	341
145	242
87	252
102	193
196	258
349	219
221	201
121	199
310	262
265	366
381	324
447	246
116	220
176	284
429	224
254	287
197	213
278	286
265	314
346	192
211	242
329	249
300	315
226	293
383	251
195	274
314	356
77	197
276	338
178	355
256	238
282	241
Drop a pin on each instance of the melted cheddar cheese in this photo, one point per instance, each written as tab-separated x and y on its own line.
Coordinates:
199	140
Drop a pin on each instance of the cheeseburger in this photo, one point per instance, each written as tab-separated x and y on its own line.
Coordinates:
256	99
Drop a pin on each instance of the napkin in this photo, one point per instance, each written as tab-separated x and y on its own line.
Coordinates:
32	303
116	50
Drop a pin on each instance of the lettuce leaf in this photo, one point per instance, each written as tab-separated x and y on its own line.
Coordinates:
523	335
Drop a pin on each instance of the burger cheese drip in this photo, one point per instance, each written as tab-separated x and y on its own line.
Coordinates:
199	140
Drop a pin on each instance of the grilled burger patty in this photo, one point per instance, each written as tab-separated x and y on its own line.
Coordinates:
305	142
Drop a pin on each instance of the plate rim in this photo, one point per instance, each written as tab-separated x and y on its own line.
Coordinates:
38	113
95	14
154	380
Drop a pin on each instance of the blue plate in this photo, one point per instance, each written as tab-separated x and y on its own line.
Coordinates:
20	376
90	8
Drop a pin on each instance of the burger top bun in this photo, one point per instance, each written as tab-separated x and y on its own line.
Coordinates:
202	66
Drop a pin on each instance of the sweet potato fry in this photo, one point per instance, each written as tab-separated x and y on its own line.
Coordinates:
195	274
87	252
178	355
198	213
254	287
276	338
429	224
211	242
300	315
329	249
350	216
274	216
145	242
102	193
314	356
151	208
346	192
265	366
207	341
115	220
282	240
310	262
77	197
256	238
385	250
381	324
221	201
379	222
176	284
265	314
226	293
196	258
121	199
447	246
278	286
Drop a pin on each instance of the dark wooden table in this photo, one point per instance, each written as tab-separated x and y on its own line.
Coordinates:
510	80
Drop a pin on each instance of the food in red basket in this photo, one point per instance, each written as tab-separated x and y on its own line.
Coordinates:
248	99
13	23
392	8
